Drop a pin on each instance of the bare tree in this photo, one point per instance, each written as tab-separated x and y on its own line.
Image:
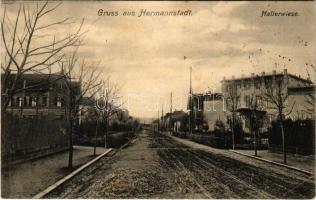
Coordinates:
81	80
111	103
28	46
276	94
310	97
232	100
255	117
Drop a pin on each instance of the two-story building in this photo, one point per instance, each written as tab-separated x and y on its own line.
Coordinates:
35	121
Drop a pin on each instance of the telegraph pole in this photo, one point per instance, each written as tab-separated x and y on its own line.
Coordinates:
162	120
158	120
171	102
190	103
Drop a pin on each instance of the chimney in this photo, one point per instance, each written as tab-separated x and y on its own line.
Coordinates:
274	72
263	73
252	75
285	71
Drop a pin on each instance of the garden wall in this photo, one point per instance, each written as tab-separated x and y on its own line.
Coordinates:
26	138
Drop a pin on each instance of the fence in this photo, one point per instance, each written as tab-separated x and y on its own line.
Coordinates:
299	134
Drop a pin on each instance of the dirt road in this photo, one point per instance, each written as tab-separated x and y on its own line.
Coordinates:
157	166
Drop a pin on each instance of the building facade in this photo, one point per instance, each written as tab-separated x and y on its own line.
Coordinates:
254	90
35	121
39	95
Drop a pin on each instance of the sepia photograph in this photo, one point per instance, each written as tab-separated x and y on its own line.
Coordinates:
158	99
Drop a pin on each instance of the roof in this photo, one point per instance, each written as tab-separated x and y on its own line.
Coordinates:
176	115
87	101
38	82
269	75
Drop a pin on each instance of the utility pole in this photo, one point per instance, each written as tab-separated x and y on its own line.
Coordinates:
171	102
190	103
158	120
170	124
162	120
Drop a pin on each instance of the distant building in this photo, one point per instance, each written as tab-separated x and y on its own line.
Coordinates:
207	108
214	109
175	121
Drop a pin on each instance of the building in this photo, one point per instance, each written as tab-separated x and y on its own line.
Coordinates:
35	121
207	108
304	99
175	121
214	109
39	95
248	90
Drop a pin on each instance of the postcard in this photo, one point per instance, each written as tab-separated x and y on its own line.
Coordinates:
158	99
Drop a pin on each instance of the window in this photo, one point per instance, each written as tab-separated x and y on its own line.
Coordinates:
247	100
33	101
58	102
20	101
259	101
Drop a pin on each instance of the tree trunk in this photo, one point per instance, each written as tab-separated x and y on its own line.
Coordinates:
255	140
70	144
106	132
95	139
233	131
255	129
70	109
6	103
283	141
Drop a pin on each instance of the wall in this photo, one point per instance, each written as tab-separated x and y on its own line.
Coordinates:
24	138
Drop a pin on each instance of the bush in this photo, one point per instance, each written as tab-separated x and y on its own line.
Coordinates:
212	140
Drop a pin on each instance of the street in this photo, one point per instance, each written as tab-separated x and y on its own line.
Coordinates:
157	166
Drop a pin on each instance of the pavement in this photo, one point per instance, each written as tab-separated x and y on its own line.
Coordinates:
299	161
26	179
306	162
159	166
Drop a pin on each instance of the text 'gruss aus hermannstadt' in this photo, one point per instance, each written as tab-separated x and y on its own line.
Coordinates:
145	13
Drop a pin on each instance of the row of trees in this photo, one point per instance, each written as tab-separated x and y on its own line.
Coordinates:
31	45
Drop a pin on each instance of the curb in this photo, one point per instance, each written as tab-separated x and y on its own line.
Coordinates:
68	177
275	163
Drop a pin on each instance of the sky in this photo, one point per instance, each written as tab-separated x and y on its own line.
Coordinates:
144	56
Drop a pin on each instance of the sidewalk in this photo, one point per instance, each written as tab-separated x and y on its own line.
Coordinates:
299	161
306	163
27	179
